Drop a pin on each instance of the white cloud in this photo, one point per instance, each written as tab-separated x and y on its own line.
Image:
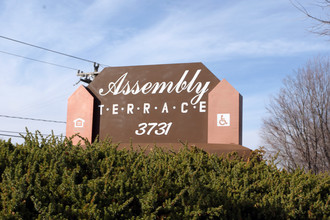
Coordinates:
190	35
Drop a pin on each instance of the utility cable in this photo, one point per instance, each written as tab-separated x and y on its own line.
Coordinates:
9	135
40	61
32	119
49	50
16	132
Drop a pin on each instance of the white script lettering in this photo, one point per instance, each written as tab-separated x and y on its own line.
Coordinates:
119	87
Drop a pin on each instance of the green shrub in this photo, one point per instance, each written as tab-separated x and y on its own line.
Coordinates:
52	178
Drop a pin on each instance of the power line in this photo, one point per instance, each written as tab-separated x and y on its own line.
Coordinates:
49	50
9	135
32	119
40	61
16	132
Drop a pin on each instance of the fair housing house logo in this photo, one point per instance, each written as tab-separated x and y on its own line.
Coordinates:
79	123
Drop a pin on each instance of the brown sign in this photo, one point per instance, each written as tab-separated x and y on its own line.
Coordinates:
159	104
154	103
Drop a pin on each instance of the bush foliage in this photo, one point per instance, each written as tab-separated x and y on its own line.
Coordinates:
53	179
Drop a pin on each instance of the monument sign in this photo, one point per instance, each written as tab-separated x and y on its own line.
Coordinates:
160	104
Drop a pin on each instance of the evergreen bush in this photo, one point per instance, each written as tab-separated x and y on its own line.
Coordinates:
49	177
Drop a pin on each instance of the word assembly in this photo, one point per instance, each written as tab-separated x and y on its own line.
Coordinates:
118	87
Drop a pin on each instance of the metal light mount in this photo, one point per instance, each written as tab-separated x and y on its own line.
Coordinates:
89	77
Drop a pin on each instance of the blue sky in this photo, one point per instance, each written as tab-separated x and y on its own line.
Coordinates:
252	44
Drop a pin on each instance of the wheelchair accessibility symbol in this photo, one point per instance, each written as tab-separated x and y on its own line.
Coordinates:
223	120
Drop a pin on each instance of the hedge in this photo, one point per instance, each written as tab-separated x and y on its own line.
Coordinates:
50	178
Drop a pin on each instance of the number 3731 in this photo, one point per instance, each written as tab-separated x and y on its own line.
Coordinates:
153	128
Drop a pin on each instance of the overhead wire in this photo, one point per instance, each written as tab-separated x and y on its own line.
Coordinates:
40	61
45	62
16	132
9	135
32	119
49	50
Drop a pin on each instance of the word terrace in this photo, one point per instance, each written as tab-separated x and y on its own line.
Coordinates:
145	108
